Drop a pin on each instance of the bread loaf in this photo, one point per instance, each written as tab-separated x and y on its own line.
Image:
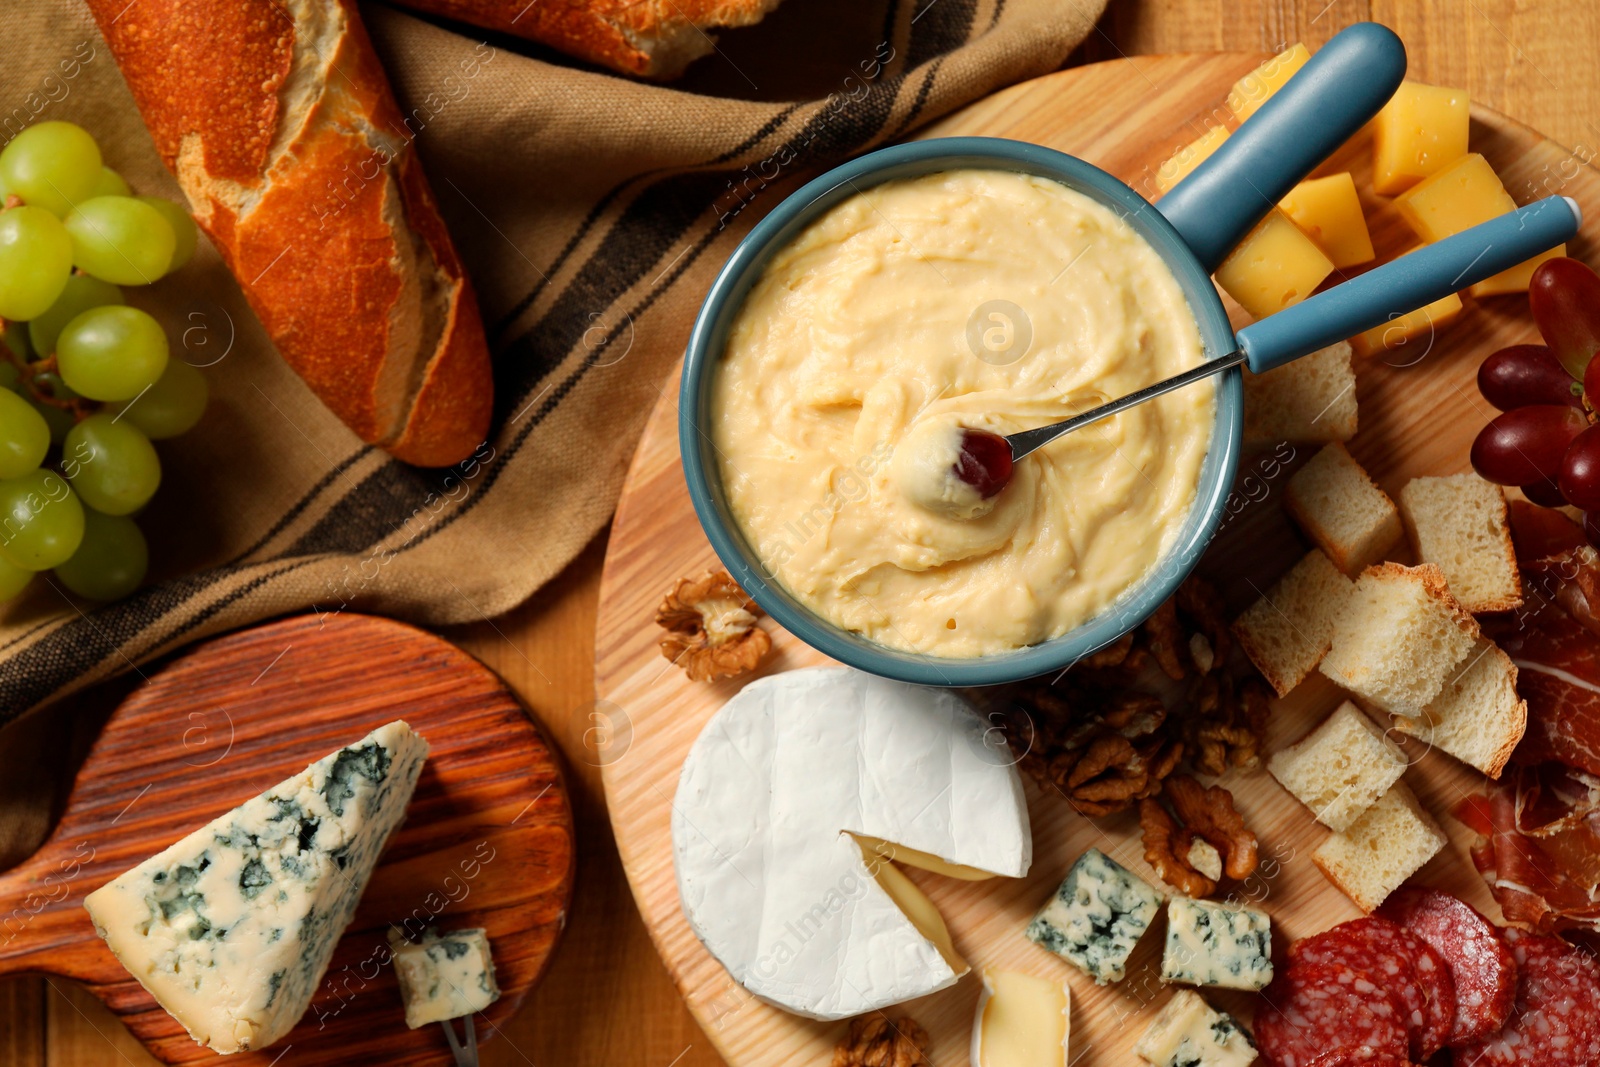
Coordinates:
277	119
653	40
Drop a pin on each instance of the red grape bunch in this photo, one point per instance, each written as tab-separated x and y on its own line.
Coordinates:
1545	440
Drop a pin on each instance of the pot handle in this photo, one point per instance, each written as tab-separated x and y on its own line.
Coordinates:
1326	102
1413	281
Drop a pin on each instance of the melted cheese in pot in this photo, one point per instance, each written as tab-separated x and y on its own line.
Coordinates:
983	299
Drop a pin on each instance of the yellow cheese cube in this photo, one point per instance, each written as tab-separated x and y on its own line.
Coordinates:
1515	279
1329	211
1257	87
1190	156
1275	266
1464	194
1402	329
1459	197
1420	131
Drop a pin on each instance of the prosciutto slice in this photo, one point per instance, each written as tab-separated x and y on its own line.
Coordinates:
1539	847
1540	823
1558	674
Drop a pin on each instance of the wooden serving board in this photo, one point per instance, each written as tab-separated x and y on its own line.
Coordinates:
487	839
1419	412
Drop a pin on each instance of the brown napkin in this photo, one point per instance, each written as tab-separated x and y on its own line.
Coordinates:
592	211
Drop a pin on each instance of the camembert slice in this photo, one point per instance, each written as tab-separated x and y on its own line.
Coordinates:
231	928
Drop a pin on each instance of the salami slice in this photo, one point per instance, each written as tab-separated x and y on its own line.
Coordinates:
1556	1020
1480	961
1403	964
1317	1009
1361	1059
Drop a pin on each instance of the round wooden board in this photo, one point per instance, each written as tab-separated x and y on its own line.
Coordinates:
1419	410
487	839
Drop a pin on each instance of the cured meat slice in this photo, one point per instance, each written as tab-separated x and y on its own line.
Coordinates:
1481	964
1403	964
1361	1059
1556	1021
1552	640
1317	1009
1558	674
1540	852
1540	823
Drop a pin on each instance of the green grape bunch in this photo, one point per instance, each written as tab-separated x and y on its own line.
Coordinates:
87	382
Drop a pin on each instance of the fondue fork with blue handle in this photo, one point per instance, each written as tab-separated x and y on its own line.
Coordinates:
1380	295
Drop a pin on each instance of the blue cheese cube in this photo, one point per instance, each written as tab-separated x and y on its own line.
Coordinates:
1097	917
1212	944
443	976
1190	1033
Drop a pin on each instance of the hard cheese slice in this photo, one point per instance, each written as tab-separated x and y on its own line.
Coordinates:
231	928
1022	1021
769	875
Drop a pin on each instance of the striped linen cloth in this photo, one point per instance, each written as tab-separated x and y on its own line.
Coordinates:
592	212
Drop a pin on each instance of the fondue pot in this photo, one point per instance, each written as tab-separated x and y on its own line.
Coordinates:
1193	228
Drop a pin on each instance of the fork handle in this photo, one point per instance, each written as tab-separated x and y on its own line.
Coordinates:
1413	281
1320	108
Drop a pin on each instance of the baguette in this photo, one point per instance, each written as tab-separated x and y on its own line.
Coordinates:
651	40
279	124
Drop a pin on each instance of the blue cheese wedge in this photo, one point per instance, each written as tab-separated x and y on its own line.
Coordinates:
443	976
1097	917
232	928
1217	945
1188	1032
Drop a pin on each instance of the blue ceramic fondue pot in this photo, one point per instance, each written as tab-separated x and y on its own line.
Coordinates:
1193	228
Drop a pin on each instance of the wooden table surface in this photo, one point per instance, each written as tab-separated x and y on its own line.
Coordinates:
607	999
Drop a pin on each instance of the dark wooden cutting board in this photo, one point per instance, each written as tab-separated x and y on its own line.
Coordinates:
487	839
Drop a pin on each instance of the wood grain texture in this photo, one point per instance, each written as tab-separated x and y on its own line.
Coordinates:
1419	413
607	998
488	839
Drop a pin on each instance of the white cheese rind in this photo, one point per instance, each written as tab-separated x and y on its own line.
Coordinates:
231	928
444	976
1188	1032
768	876
1212	944
1097	916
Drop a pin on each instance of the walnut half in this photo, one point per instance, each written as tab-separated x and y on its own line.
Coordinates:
711	628
1201	840
879	1041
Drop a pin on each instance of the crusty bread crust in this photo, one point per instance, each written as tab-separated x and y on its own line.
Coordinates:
1496	764
1432	580
651	40
278	121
